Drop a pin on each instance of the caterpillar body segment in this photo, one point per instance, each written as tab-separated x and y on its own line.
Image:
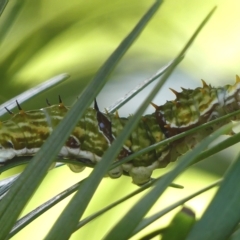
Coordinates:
24	133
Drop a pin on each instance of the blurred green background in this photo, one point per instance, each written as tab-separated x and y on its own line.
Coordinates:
41	39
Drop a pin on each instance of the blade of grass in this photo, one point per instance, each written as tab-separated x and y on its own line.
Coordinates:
44	207
3	4
123	199
6	185
24	221
219	147
233	140
10	19
236	235
10	104
28	218
147	221
119	103
21	223
13	203
129	222
223	212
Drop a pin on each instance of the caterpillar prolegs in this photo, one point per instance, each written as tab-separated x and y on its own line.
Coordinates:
24	133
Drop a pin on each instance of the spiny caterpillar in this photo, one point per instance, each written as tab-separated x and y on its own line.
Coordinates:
25	132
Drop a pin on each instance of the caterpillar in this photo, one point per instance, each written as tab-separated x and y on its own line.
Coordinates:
25	132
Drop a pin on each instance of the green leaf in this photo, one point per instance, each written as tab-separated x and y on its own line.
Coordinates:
130	221
3	4
11	17
236	235
147	221
10	104
224	144
24	221
222	215
28	218
115	106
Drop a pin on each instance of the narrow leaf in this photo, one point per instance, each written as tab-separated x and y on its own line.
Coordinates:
10	104
10	18
147	221
130	221
222	215
119	103
3	4
24	221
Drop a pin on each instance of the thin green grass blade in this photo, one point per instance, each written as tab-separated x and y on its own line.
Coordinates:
118	104
78	204
223	212
15	162
225	144
123	199
24	221
10	104
21	223
3	4
28	218
147	221
31	216
10	19
219	147
129	222
6	184
236	235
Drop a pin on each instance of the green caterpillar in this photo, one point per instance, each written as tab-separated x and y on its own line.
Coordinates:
24	133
